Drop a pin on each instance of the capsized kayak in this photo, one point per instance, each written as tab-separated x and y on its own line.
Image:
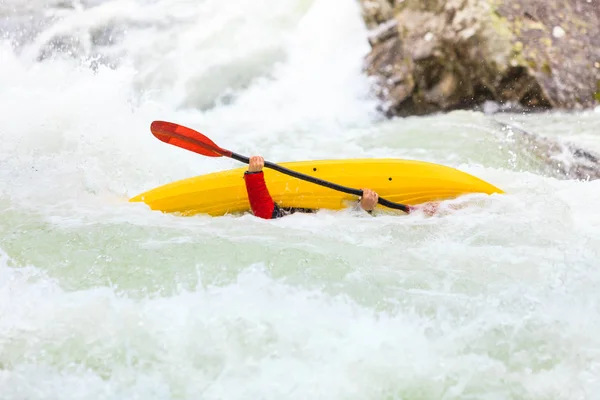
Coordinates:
402	181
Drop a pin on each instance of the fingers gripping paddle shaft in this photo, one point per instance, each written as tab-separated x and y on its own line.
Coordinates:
189	139
330	185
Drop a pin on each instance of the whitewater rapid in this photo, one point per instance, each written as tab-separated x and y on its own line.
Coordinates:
105	299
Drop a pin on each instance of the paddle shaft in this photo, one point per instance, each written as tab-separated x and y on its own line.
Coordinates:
318	181
166	131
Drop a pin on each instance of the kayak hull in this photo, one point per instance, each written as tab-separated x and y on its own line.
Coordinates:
402	181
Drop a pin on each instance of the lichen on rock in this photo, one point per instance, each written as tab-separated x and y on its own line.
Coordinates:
437	55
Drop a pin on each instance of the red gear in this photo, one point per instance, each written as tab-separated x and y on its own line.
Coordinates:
261	202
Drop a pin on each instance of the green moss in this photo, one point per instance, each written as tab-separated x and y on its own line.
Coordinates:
546	41
518	47
517	58
532	64
501	25
547	69
516	27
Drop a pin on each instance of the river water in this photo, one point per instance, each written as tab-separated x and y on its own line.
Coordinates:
105	299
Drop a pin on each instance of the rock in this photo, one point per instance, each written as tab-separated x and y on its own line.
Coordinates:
436	55
562	160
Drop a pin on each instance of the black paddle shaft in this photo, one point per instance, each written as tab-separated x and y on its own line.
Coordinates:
312	179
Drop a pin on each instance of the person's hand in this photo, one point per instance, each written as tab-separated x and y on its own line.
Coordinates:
369	200
256	164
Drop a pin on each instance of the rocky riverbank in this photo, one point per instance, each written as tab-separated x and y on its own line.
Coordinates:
435	55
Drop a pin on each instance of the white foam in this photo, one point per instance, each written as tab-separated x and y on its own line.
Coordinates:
104	299
72	130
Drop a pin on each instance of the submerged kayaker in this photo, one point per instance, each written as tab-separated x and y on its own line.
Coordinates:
262	203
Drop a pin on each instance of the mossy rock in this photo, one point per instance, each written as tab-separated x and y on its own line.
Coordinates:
439	55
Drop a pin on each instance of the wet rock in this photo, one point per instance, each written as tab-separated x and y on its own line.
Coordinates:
562	160
438	55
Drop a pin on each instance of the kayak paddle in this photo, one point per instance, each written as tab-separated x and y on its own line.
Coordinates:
189	139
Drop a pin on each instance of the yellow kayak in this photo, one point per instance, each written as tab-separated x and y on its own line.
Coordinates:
401	181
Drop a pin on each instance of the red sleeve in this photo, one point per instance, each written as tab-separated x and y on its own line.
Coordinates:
260	200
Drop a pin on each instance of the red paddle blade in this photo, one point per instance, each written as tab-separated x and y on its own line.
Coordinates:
186	138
